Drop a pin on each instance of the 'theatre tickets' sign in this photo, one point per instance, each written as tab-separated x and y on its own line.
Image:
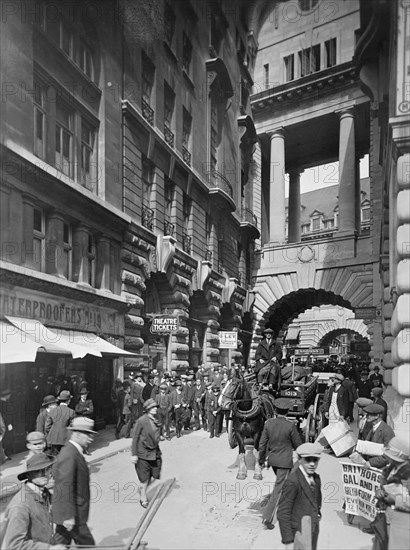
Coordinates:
164	324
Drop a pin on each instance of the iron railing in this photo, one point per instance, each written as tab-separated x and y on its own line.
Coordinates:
186	243
216	179
186	155
147	112
247	216
208	255
169	136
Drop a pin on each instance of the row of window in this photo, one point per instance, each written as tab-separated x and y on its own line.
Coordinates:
306	61
64	136
317	223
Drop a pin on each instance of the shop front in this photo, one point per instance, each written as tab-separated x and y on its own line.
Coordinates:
49	345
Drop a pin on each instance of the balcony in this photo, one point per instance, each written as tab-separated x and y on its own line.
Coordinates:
147	112
249	222
186	155
186	243
169	228
169	136
147	217
220	189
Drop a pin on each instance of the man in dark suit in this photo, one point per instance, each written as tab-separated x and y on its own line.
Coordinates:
301	496
279	438
376	395
57	421
268	357
337	403
49	402
71	499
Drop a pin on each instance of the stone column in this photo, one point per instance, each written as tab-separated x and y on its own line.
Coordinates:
294	229
80	259
54	245
277	187
358	196
347	172
103	264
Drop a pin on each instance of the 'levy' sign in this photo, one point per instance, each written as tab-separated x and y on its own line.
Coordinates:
228	339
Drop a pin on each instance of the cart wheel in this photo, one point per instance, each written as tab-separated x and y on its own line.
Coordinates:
231	436
310	428
350	518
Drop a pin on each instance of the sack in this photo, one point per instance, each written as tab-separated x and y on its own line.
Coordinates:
340	437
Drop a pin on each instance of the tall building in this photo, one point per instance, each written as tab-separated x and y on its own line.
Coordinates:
127	229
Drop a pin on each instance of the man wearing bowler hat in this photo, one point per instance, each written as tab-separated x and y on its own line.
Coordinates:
278	441
27	517
268	357
301	496
57	421
71	499
49	402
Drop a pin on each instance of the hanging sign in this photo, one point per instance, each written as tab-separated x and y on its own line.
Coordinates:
164	324
228	339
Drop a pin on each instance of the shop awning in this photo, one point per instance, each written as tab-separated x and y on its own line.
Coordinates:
51	341
93	342
15	347
293	333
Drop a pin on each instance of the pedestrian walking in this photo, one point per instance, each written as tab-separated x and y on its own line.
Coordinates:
163	402
28	524
49	402
117	399
57	421
126	427
363	426
71	499
189	398
145	451
301	496
278	441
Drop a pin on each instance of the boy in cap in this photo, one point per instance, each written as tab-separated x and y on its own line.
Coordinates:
278	441
35	443
71	500
28	519
146	454
301	496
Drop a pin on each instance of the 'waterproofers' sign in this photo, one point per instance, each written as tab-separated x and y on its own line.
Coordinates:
64	313
164	324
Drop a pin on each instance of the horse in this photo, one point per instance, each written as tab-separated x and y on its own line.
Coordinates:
249	410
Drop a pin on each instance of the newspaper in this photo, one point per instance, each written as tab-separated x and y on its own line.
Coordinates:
360	486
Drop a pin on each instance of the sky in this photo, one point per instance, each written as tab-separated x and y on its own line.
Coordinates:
325	175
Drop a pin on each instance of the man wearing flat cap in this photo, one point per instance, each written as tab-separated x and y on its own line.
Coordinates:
278	441
268	357
71	499
336	406
57	421
27	518
301	496
379	433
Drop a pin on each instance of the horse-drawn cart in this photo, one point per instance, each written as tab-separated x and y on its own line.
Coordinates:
304	401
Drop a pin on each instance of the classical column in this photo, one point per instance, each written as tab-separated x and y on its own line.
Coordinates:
277	216
54	244
294	228
347	172
81	266
103	264
358	196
